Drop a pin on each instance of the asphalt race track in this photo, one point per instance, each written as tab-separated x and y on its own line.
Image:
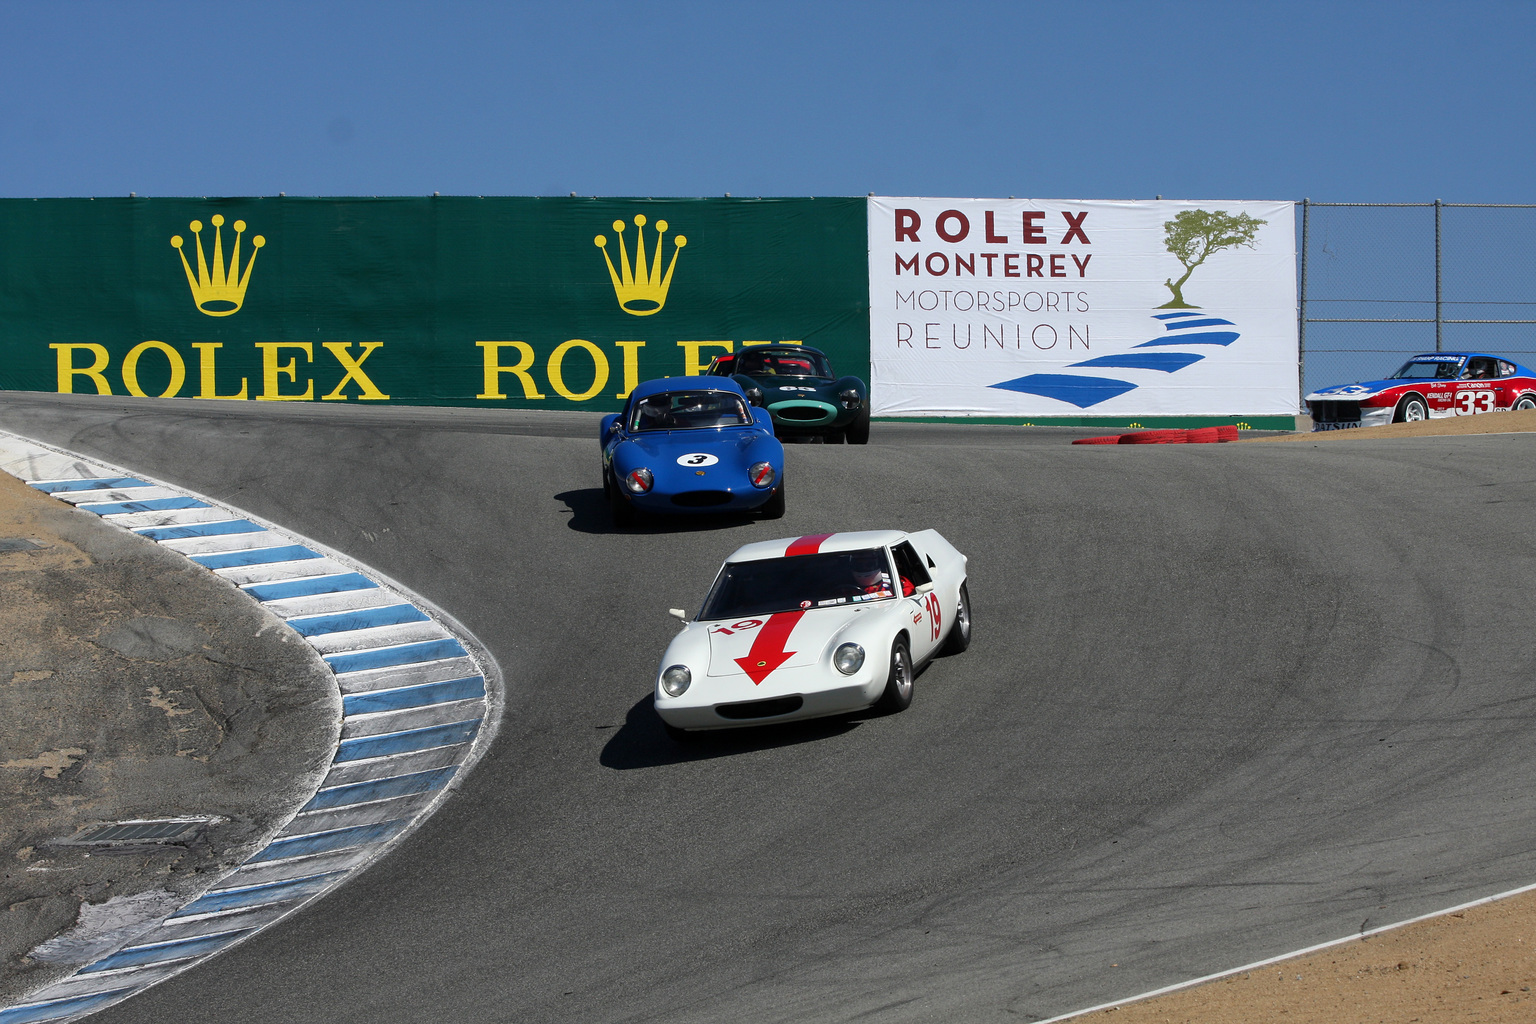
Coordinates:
1223	701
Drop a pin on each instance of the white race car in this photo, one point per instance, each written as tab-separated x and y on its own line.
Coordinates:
811	626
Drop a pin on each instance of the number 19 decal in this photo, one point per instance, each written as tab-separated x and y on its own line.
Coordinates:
935	616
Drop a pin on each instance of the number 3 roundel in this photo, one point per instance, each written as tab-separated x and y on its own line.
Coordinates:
697	459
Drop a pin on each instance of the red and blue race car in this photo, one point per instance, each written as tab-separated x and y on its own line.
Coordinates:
1430	386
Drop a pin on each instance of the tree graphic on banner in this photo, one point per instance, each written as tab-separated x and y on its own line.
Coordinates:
1193	235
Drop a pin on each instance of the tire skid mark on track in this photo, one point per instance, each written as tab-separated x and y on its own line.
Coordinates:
419	702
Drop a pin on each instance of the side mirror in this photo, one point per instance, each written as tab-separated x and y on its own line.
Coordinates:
923	588
681	614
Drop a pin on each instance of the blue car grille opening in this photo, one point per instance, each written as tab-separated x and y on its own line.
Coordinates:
1335	412
701	499
770	708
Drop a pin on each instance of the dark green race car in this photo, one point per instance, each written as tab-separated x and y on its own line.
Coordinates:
795	384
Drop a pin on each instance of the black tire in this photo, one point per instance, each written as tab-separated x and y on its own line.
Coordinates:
858	430
960	631
900	682
1411	410
773	508
1525	402
623	512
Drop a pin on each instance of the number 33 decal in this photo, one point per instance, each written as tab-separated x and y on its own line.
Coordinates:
1470	402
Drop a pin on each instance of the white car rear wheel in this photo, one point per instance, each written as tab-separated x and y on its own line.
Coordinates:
960	632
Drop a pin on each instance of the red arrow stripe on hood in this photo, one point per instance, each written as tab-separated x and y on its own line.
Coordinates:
808	545
768	651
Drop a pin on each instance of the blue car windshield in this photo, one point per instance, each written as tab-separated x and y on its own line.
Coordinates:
799	583
686	410
783	364
1428	369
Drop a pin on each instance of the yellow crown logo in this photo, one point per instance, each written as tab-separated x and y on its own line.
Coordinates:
642	291
218	293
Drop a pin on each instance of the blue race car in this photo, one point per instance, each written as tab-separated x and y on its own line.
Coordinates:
691	444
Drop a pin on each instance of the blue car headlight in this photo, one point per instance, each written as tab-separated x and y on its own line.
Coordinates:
639	481
762	475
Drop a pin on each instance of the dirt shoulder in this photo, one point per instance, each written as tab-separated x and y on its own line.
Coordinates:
136	685
1473	965
1489	423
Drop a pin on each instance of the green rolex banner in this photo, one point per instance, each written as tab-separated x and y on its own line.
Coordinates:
499	301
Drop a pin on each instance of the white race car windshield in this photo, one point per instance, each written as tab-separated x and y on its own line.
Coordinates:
799	583
683	410
1428	369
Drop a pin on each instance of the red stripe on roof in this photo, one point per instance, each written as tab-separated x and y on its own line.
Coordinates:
808	545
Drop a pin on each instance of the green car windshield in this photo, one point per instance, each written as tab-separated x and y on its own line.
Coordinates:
771	363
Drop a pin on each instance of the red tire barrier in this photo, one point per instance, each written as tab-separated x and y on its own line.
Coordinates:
1155	437
1199	435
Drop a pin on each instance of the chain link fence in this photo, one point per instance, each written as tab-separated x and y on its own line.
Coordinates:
1379	282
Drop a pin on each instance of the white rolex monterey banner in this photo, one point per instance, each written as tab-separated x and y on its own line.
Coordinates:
1043	307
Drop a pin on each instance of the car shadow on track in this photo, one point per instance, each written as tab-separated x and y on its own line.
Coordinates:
589	514
642	743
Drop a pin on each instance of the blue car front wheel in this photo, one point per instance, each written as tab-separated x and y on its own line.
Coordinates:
619	507
773	508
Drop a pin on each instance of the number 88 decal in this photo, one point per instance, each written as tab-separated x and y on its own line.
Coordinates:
1471	402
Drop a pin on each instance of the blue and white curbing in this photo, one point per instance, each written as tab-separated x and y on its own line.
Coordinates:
419	703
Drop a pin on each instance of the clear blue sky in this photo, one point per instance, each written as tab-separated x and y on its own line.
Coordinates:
1222	100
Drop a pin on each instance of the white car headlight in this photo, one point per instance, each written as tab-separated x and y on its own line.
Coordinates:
676	678
848	659
639	481
761	474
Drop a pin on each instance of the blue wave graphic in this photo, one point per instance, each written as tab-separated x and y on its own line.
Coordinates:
1185	327
1211	321
1079	391
1203	338
1168	362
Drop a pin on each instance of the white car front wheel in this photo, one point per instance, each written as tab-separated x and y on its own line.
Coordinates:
899	682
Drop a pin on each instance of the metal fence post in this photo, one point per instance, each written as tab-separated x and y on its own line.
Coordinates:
1438	320
1301	311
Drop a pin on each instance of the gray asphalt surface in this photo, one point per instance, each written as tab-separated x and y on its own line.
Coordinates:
1223	701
